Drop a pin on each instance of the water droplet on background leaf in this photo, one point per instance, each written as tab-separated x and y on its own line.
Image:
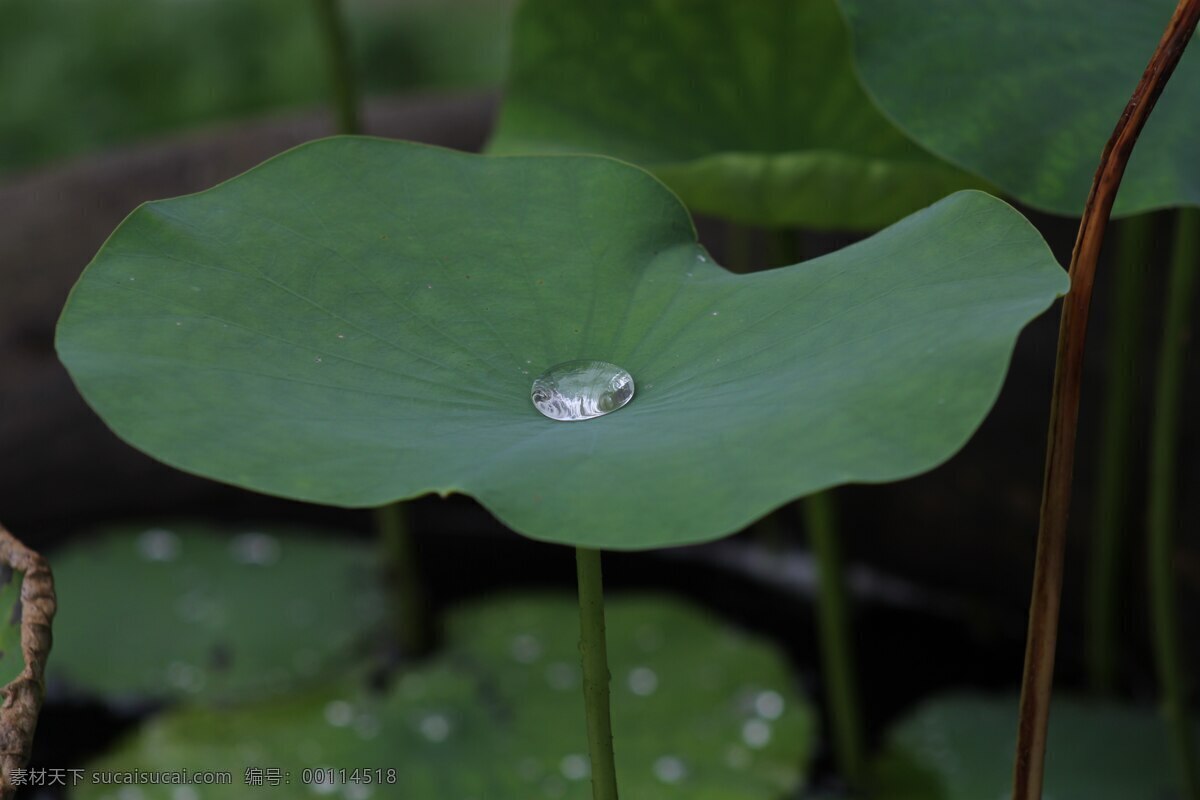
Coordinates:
576	390
158	544
670	769
756	734
643	681
435	728
575	767
255	548
769	704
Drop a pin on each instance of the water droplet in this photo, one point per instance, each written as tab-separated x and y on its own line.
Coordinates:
756	734
196	606
525	648
158	544
562	676
255	548
768	704
715	313
435	727
339	713
642	681
185	676
670	769
341	336
322	787
700	257
576	390
317	359
575	767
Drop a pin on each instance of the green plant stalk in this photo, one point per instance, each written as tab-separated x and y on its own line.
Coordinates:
1160	520
406	594
833	630
341	69
594	653
1037	680
1111	514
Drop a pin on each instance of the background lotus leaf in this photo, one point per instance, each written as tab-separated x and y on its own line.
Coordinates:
1026	93
750	111
947	750
359	321
700	711
208	614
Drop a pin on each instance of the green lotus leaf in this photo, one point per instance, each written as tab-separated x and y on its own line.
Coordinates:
1026	93
954	748
750	111
360	321
189	611
12	660
700	711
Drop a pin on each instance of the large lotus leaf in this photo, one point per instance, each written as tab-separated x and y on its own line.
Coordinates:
954	748
360	321
202	613
750	111
1025	93
700	711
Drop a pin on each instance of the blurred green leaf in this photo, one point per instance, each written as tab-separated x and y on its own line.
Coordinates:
78	75
12	660
700	711
194	611
360	321
959	747
1025	93
749	111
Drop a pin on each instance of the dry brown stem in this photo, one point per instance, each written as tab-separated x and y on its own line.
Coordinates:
23	697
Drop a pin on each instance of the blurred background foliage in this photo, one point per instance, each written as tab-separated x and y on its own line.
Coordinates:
81	75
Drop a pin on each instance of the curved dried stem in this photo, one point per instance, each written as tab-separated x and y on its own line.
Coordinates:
1064	407
23	696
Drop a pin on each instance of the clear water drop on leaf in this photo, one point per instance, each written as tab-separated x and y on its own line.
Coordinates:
158	544
670	769
435	728
255	548
643	681
756	734
575	767
339	713
584	389
769	704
